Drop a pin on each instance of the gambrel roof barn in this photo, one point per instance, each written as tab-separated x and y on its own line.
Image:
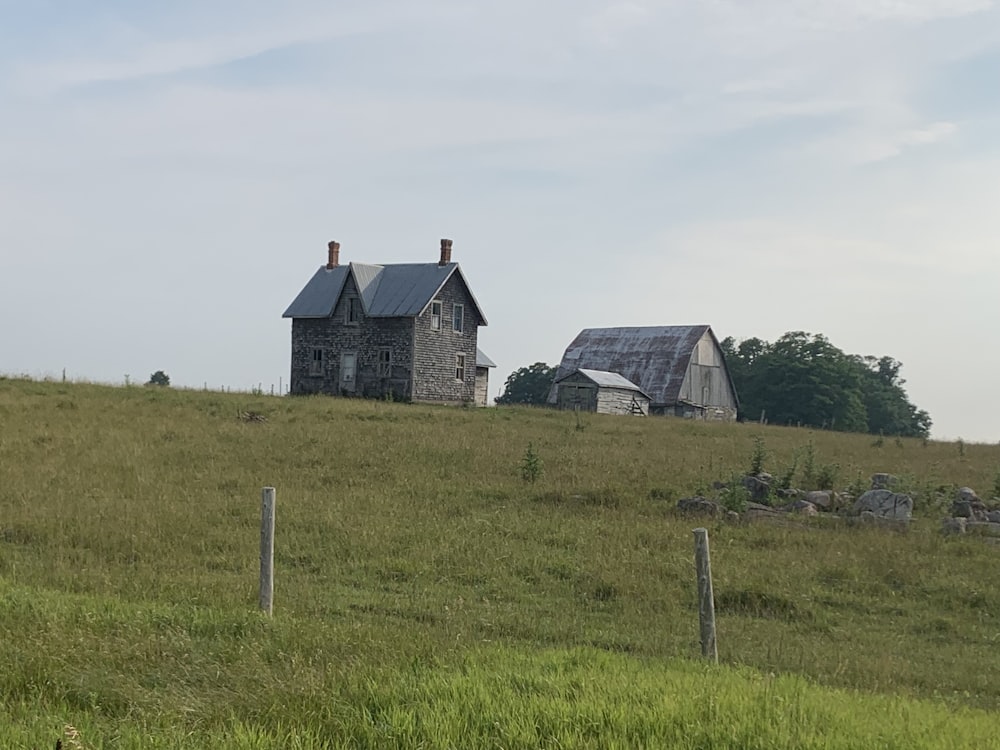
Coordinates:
681	368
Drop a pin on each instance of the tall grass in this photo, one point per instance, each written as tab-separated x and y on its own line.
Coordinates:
411	553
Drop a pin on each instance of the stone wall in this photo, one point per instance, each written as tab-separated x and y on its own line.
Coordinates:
365	339
436	350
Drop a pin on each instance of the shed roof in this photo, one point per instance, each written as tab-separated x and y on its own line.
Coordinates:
655	358
482	360
387	291
605	379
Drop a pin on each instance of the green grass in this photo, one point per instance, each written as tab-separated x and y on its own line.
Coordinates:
420	579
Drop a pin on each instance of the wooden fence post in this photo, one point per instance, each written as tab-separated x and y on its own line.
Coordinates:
267	550
706	601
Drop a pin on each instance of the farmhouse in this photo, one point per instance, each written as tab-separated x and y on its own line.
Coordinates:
681	368
600	391
406	331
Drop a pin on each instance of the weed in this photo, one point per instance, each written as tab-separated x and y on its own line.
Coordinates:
960	444
879	441
758	458
735	496
531	465
788	475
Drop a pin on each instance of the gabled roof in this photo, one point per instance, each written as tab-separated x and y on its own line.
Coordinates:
390	291
605	379
654	357
482	360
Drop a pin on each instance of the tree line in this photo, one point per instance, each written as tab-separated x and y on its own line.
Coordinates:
802	378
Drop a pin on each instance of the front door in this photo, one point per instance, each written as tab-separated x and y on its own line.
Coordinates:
348	368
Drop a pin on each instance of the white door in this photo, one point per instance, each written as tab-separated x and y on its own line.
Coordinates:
348	367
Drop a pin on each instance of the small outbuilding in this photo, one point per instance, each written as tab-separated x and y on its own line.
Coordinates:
483	365
602	392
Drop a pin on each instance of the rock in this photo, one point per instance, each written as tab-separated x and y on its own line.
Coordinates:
802	507
961	509
883	481
732	516
788	494
953	525
699	506
993	516
842	500
885	504
758	512
820	499
983	527
758	486
967	493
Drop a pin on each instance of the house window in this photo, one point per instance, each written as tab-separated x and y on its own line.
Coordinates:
316	363
435	316
384	363
353	310
460	367
457	317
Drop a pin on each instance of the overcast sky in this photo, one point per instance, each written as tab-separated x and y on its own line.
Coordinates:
170	174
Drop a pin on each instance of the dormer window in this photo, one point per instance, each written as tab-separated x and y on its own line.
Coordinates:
436	315
353	313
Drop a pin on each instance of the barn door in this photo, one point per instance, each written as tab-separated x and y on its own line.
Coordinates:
348	370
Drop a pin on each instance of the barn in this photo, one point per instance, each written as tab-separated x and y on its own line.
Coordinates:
681	368
602	392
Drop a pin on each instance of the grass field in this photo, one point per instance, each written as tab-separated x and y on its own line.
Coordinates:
427	596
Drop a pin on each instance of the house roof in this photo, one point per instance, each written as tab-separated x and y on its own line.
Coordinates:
605	379
482	360
655	358
387	291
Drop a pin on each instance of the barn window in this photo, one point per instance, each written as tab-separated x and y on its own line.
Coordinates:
316	363
353	310
436	315
384	363
460	367
457	318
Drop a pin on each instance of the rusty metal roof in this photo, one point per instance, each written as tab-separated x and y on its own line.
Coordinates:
387	291
655	358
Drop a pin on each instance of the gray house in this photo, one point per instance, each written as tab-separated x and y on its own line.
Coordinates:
602	392
681	368
408	331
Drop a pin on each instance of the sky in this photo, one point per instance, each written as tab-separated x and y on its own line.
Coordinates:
171	173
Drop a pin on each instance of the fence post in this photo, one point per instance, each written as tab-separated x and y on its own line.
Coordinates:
706	601
267	549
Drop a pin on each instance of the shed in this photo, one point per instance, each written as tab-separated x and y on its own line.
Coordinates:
600	391
681	368
483	365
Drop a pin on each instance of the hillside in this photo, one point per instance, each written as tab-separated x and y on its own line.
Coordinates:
410	552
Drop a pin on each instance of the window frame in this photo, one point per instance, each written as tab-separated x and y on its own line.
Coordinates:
316	360
436	317
384	362
460	368
458	317
353	311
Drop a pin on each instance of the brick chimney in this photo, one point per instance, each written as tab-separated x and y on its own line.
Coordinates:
334	254
445	253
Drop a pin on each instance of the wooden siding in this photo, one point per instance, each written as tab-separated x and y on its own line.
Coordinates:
579	392
482	386
706	391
